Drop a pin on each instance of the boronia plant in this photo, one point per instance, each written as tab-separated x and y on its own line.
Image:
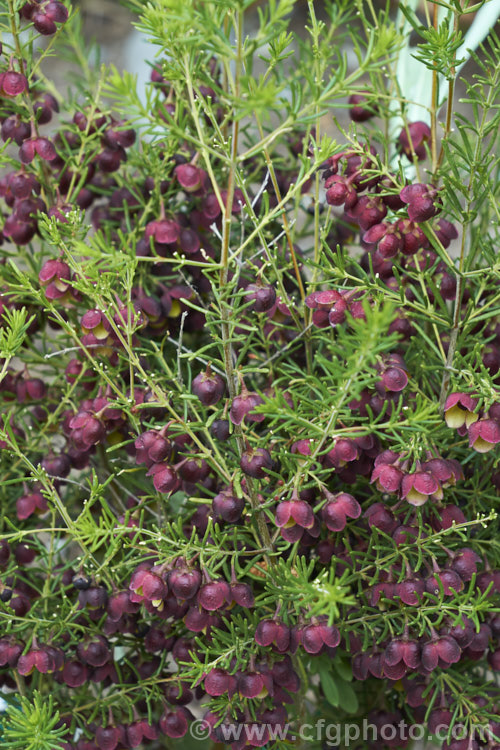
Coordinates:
250	378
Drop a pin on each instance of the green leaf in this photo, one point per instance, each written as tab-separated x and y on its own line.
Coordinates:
329	686
343	668
348	700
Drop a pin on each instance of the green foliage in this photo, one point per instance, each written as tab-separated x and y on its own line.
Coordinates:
32	725
261	135
13	331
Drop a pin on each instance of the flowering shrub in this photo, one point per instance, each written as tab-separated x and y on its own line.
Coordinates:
249	380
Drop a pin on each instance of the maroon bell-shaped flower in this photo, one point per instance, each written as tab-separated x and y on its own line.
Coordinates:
147	585
387	237
14	127
10	651
423	201
400	655
414	238
45	16
87	430
175	723
190	177
254	685
40	146
313	637
209	387
273	632
324	300
447	471
446	517
218	682
263	297
21	184
459	410
41	658
139	731
184	582
344	450
338	508
119	605
242	594
294	511
55	276
394	379
152	447
465	563
441	651
163	231
75	674
256	462
228	506
243	406
413	140
445	232
368	211
340	191
484	435
416	488
387	477
107	738
358	109
97	323
285	676
197	620
94	652
28	504
494	661
381	517
410	591
165	478
446	581
382	588
12	83
214	595
481	640
439	719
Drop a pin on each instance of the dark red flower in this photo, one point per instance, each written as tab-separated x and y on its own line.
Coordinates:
387	237
441	651
12	83
294	511
313	637
459	410
413	140
423	201
484	435
338	508
218	681
416	488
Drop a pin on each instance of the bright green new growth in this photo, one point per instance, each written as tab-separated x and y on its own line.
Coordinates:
33	725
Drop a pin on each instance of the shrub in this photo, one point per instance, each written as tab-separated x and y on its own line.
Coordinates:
249	380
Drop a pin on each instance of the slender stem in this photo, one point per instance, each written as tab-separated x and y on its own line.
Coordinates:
286	225
447	127
445	383
463	254
225	308
449	103
434	98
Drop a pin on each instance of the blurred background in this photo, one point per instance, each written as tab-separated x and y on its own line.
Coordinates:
110	24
